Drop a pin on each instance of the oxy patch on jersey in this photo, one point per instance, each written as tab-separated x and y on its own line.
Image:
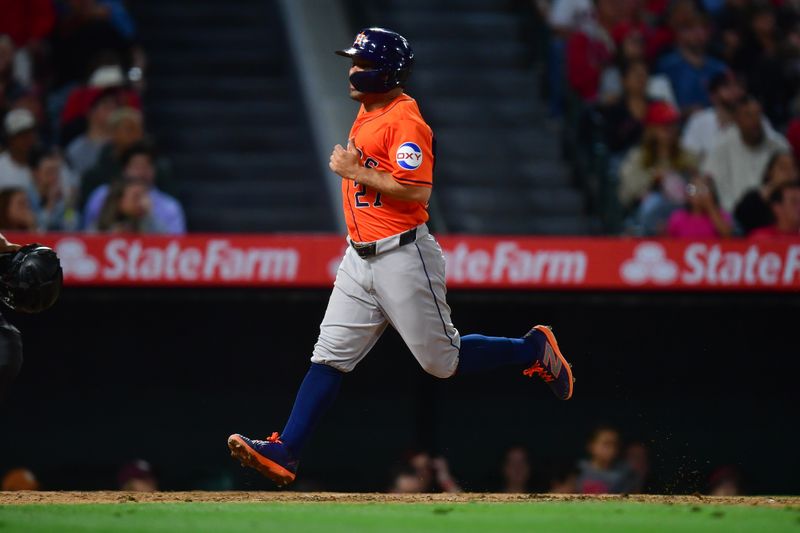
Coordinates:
409	156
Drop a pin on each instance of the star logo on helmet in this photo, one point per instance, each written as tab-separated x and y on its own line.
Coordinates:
361	39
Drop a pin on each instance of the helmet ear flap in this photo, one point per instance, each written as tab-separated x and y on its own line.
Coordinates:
379	80
372	81
402	76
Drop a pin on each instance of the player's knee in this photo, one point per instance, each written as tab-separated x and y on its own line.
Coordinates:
340	364
333	367
441	368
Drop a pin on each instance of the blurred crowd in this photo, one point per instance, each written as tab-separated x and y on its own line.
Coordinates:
610	466
682	117
74	149
135	476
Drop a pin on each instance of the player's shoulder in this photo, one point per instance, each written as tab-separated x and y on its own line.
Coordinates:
406	115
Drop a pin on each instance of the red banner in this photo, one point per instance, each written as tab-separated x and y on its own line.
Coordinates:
472	262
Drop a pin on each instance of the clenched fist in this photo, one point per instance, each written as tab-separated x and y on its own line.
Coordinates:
345	162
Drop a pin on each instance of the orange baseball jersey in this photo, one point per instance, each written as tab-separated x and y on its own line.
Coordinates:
397	140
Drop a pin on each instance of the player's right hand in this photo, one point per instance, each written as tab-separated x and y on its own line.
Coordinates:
345	162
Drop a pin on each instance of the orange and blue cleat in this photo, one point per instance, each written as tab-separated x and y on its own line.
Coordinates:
551	366
269	457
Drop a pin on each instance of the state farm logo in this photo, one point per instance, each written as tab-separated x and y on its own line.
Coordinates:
75	261
215	260
508	262
649	263
711	264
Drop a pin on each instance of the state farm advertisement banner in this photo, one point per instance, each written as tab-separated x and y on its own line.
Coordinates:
472	262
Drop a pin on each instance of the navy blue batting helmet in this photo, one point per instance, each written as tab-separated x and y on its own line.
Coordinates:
390	55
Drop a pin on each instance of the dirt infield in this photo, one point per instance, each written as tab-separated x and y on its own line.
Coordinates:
20	498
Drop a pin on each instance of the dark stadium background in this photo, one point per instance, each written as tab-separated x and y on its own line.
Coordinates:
702	379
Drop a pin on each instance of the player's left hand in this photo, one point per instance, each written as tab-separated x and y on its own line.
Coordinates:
345	162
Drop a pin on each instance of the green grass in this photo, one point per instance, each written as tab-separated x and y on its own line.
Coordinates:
545	517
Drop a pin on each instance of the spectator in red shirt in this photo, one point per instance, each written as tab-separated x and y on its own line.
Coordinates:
654	22
785	203
591	50
656	7
27	20
105	80
631	49
793	136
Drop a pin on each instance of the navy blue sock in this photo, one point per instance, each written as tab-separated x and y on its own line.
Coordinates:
480	353
316	394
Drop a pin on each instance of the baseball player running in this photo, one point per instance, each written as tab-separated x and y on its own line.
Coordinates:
393	271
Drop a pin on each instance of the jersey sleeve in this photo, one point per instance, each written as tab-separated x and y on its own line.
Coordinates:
409	145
